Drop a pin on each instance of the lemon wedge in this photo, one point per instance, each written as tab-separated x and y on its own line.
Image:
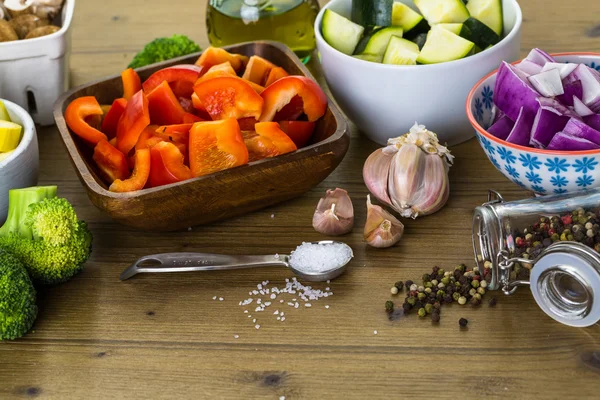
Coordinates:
4	113
10	136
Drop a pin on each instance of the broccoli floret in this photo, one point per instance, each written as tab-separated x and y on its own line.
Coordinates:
17	298
162	49
44	233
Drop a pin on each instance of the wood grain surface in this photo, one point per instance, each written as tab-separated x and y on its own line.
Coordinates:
162	336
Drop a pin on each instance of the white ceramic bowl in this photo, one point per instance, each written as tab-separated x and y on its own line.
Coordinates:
384	101
20	168
541	171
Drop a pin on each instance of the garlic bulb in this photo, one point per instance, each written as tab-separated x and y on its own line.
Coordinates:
411	174
334	214
382	229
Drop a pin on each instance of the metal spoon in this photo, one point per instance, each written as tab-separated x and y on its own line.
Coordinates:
188	262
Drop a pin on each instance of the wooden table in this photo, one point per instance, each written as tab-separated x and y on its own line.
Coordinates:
163	336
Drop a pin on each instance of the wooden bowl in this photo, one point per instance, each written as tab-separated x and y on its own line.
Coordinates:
217	196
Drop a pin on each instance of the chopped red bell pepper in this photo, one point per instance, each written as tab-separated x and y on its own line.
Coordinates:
267	141
131	83
75	115
189	118
111	162
215	146
214	56
274	75
272	132
182	89
113	142
216	71
174	133
167	165
291	111
164	106
299	131
133	121
139	176
280	93
111	120
228	97
184	75
146	134
247	124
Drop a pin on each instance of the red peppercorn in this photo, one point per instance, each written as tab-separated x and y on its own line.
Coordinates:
567	219
551	231
520	242
476	277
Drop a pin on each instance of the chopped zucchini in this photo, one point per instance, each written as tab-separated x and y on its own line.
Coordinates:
489	12
378	58
443	11
442	46
341	33
367	34
380	39
401	52
405	17
454	28
481	34
372	12
420	40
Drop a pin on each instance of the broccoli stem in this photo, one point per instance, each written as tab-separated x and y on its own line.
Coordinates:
19	201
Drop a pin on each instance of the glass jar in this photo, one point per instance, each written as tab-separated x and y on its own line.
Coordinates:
550	243
287	21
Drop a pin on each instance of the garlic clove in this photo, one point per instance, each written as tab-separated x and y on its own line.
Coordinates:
382	229
405	178
375	172
334	214
18	7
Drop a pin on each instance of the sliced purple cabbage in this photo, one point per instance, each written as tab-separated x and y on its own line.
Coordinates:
581	109
590	83
502	127
513	91
571	90
548	83
593	121
521	132
565	69
563	141
551	118
577	128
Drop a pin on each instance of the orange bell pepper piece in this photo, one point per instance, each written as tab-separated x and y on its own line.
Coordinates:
167	165
189	118
175	74
111	120
131	83
257	70
267	141
247	124
146	134
280	93
174	133
216	71
214	55
215	146
274	75
139	176
164	106
228	97
111	162
299	131
113	142
133	121
75	116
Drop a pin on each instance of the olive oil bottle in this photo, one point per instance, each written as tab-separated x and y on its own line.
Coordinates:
287	21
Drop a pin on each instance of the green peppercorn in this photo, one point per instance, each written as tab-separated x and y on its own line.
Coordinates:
389	306
555	237
428	290
426	278
457	284
422	313
461	268
472	292
428	308
455	296
411	300
462	300
475	301
421	296
428	285
421	288
434	282
446	281
441	271
483	283
475	284
481	290
440	293
477	296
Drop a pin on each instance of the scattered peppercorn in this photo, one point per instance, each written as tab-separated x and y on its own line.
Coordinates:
462	300
394	290
399	285
422	313
408	284
435	316
389	306
492	302
463	322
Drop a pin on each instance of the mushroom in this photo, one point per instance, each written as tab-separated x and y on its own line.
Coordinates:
7	33
47	9
23	24
42	31
18	7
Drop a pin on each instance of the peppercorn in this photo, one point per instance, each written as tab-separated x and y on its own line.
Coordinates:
441	271
475	284
434	282
472	292
408	284
483	283
406	307
428	307
462	300
399	285
394	290
455	296
435	270
421	288
428	290
448	299
492	302
445	281
437	305
463	322
421	296
426	278
435	316
422	313
440	293
413	287
389	306
475	301
477	296
461	267
411	300
481	291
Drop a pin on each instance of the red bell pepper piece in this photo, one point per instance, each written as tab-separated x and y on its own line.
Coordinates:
215	146
164	106
214	56
247	124
131	83
146	134
113	142
75	116
182	89
275	74
299	131
133	121
189	118
291	111
216	71
167	165
111	162
111	120
279	140
280	93
174	133
176	75
228	97
139	176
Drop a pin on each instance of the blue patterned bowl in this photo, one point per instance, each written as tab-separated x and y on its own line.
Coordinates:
541	171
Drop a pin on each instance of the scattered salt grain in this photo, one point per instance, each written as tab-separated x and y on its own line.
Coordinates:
374	332
245	311
276	312
315	258
257	326
278	318
281	301
281	397
296	305
236	336
273	296
254	320
220	299
282	319
272	215
326	306
307	305
214	297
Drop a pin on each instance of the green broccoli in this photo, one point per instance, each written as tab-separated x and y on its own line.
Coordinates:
43	231
162	49
17	298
